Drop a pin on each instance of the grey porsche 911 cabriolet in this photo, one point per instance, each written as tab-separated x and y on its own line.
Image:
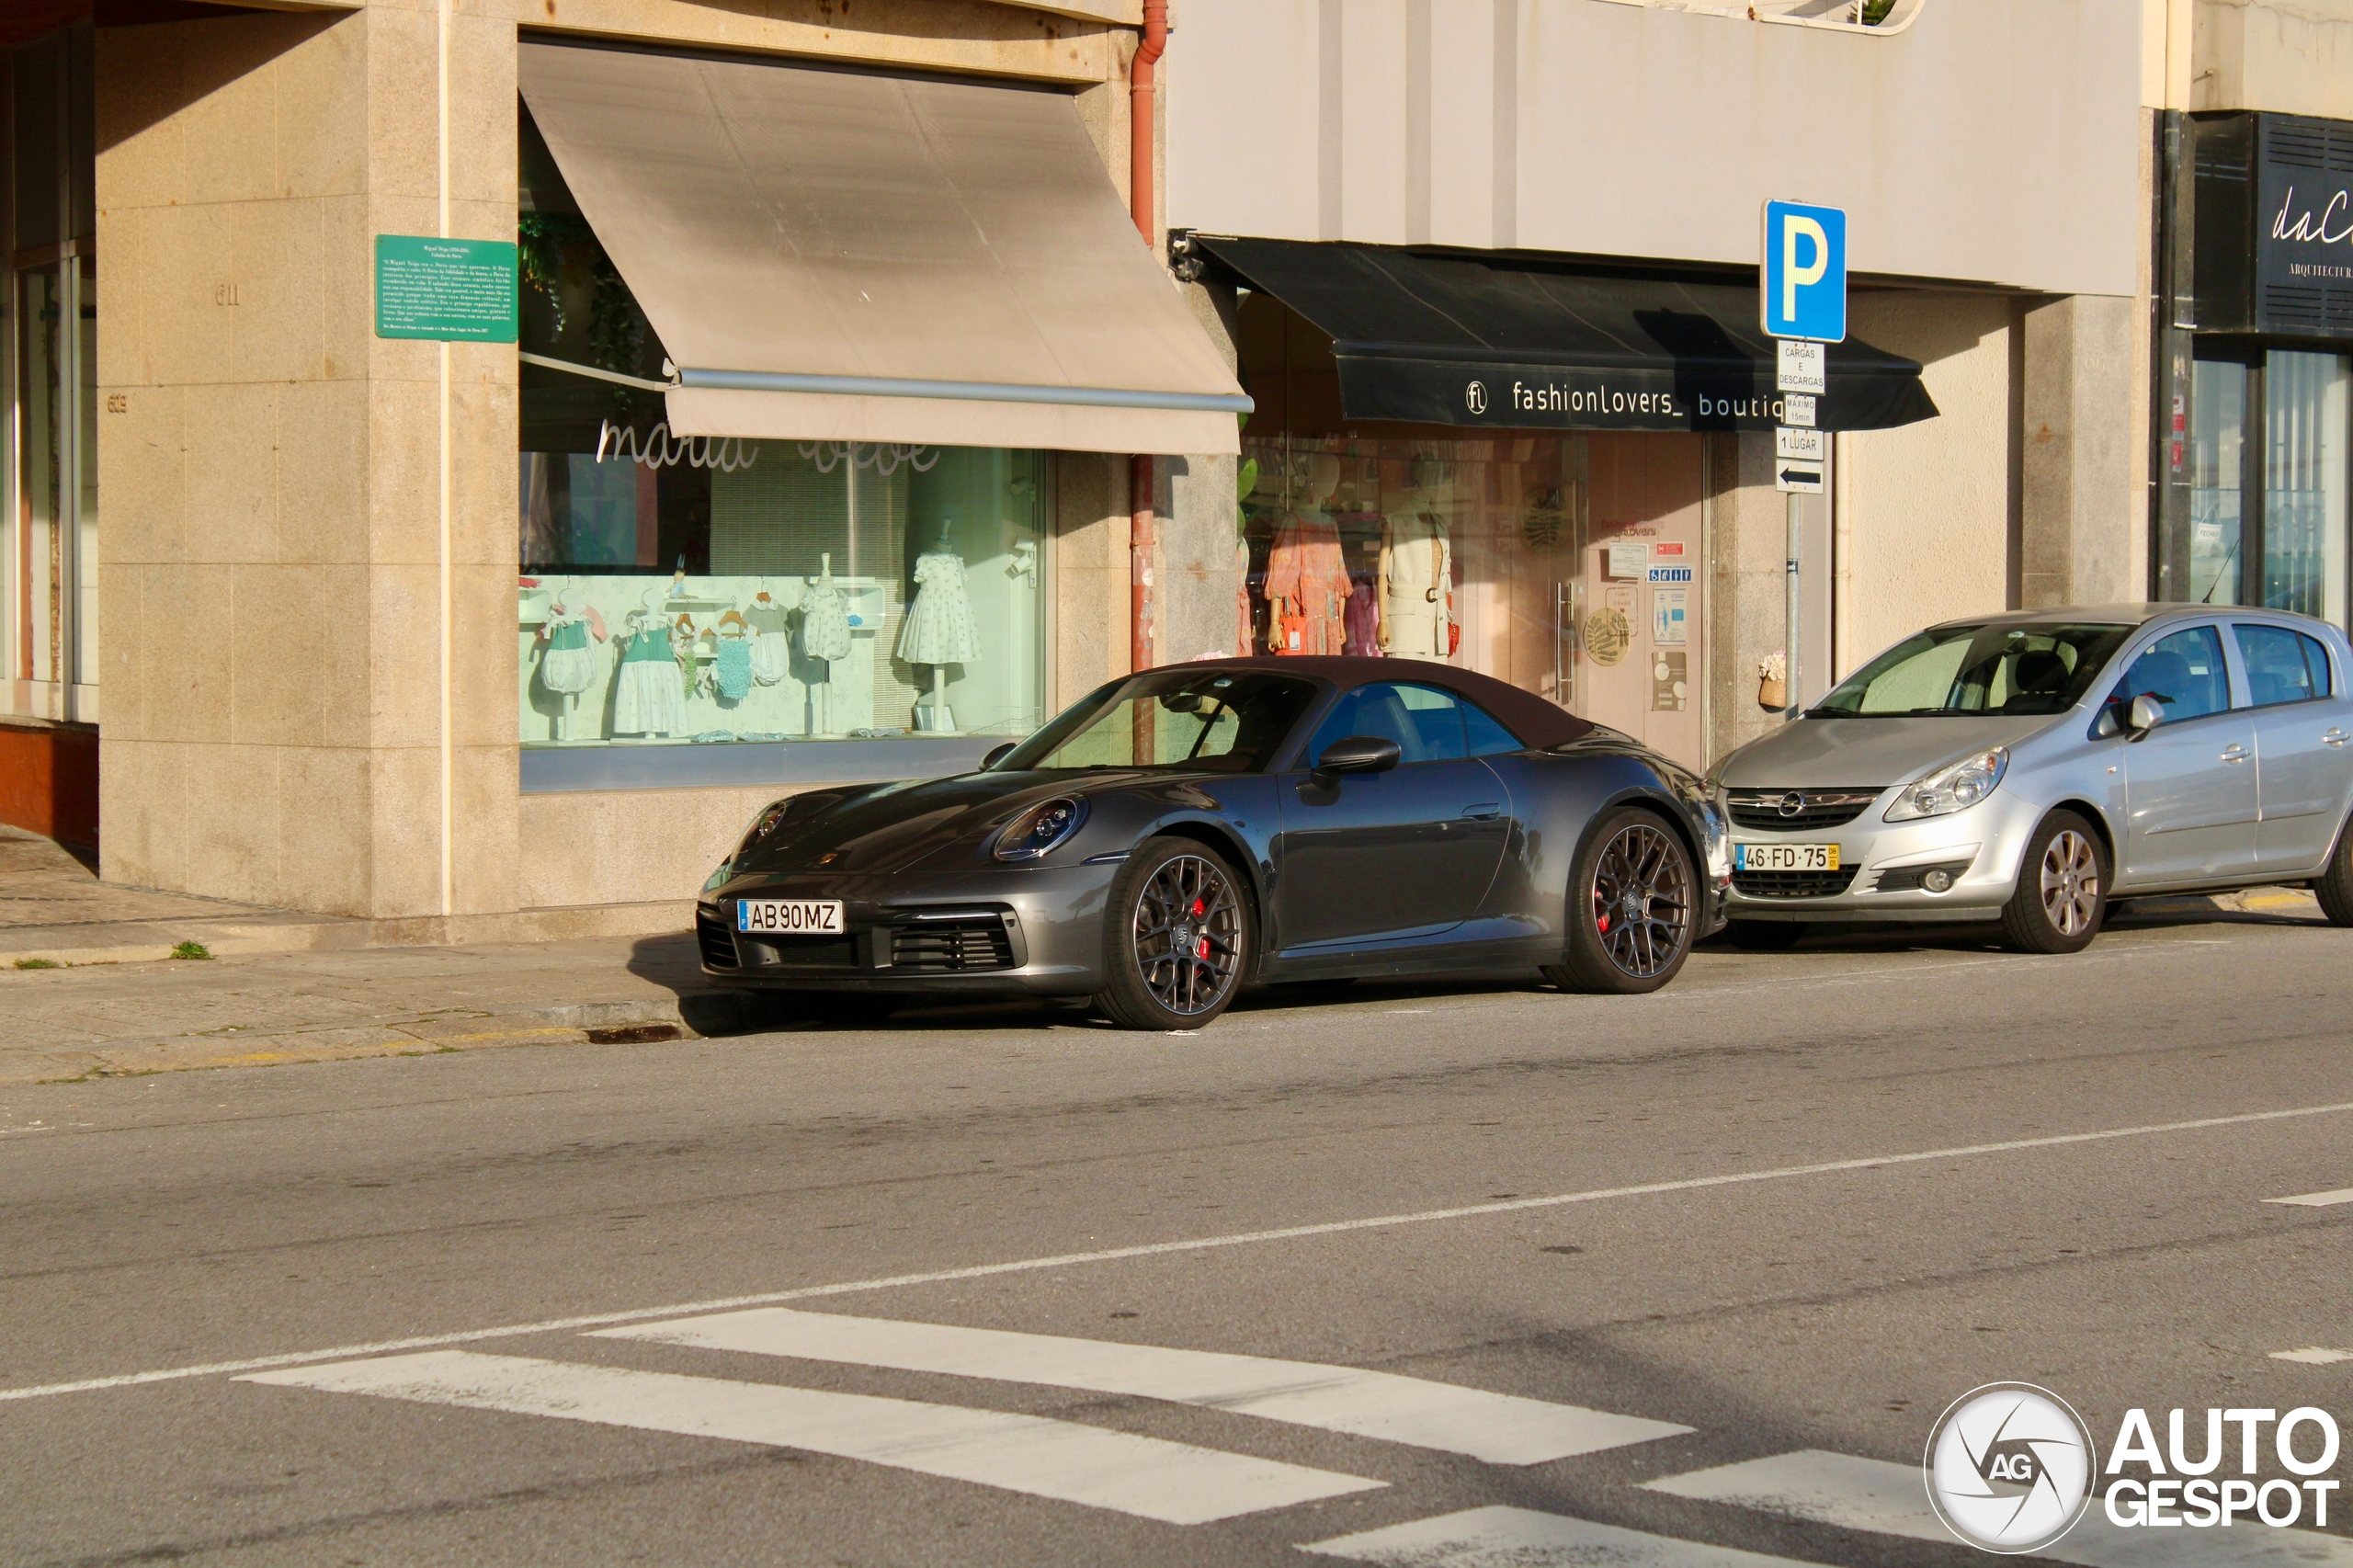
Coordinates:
1180	833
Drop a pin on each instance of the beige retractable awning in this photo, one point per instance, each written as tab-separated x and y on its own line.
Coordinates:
835	255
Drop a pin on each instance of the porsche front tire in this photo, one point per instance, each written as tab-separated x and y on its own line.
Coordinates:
1632	908
1178	935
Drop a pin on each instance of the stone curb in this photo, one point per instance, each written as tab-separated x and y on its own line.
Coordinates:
647	1021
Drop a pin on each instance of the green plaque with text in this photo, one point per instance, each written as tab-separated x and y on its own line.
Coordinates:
457	291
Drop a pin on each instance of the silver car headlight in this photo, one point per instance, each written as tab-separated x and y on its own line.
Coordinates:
1951	790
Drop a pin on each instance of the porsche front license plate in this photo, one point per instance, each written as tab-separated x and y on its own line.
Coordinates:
1784	857
791	917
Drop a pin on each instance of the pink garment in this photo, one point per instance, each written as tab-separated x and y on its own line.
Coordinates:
1363	621
596	623
1306	570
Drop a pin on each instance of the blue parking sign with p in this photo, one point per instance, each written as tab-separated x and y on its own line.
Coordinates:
1804	275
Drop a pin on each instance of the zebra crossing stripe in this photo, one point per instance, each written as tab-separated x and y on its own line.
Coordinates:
1892	1499
1499	1428
1524	1538
1174	1482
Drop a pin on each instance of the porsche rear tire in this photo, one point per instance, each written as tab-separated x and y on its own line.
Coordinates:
1177	935
1632	908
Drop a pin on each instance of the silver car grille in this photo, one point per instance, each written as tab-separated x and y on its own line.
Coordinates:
1797	811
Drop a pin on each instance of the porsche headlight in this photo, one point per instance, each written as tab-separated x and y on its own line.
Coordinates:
1042	829
1953	789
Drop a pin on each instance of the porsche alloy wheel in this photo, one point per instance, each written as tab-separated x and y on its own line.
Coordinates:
1631	909
1179	942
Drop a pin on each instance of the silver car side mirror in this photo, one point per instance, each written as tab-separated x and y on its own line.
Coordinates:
2146	715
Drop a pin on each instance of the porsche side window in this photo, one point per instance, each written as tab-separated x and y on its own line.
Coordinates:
2183	672
1487	737
1426	723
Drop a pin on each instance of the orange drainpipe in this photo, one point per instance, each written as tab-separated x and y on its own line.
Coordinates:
1140	204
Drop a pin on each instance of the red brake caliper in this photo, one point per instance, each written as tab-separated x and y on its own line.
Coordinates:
1200	907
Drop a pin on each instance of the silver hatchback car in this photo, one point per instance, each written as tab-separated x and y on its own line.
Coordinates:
2028	768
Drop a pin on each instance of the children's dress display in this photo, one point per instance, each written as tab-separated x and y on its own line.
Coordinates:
938	629
734	668
1306	572
568	666
824	622
648	697
1362	617
772	650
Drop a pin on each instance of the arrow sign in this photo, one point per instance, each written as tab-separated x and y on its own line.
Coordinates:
1798	478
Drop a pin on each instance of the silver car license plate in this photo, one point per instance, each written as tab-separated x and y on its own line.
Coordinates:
1784	857
791	917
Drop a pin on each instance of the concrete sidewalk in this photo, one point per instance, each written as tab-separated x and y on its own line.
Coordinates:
89	987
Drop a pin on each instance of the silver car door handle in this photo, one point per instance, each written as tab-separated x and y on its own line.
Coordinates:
2333	737
2234	754
1487	811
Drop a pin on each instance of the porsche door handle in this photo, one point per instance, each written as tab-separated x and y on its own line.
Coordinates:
2235	753
2333	737
1486	812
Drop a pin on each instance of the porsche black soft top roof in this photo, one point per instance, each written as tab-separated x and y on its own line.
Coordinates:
1525	714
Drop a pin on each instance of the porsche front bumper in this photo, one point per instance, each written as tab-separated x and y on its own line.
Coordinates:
1023	931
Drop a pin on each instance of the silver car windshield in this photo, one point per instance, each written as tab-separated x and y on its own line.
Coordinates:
1979	670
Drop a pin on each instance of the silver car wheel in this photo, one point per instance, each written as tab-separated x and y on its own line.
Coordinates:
1188	936
2070	883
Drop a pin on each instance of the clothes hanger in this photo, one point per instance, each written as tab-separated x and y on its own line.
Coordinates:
743	626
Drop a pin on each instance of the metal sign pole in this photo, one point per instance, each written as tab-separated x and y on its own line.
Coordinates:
1801	284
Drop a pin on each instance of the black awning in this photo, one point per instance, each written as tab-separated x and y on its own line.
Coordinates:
1509	342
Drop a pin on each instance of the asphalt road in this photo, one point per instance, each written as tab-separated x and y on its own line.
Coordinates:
1796	1204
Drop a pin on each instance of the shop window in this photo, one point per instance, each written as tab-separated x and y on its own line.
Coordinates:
2270	460
49	564
2305	447
1565	563
2217	479
711	590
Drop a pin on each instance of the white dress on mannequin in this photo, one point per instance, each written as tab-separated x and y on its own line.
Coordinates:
938	629
1416	579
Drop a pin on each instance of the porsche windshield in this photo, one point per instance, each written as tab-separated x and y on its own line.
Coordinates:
1978	670
1226	721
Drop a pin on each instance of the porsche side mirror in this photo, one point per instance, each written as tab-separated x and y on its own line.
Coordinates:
2146	715
997	755
1356	753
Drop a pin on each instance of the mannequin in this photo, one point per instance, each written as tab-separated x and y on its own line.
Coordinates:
824	634
1416	583
938	629
1306	577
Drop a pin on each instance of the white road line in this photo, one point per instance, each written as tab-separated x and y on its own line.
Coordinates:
1174	1482
2313	1356
1890	1499
1523	1537
1157	1249
1500	1428
2317	1200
